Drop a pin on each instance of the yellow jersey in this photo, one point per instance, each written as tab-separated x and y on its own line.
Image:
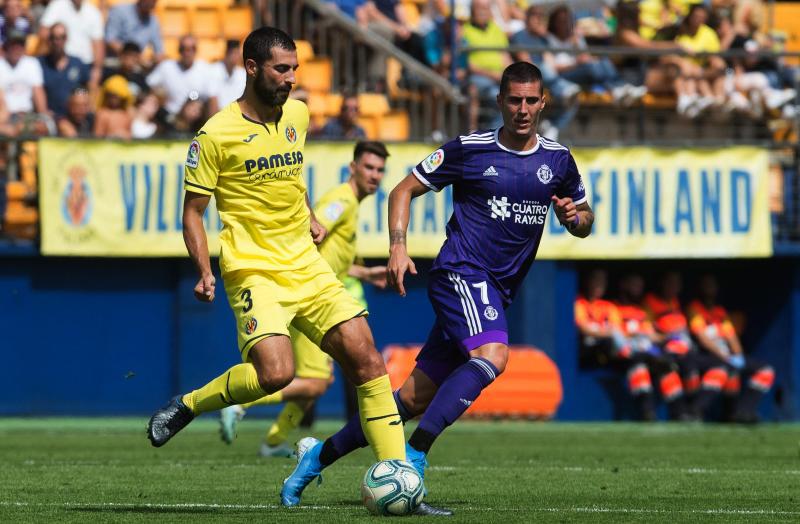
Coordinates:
254	171
337	210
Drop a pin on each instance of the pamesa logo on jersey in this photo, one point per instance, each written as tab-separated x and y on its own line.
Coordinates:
526	212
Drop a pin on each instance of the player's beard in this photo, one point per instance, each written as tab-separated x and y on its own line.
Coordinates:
271	96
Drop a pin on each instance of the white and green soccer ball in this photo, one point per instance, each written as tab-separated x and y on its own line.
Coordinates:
392	487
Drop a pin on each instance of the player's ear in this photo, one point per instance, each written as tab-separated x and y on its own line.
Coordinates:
251	67
352	167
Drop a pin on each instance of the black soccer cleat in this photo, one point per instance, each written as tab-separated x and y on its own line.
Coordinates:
426	510
167	421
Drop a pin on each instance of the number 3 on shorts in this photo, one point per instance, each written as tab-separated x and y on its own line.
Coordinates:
248	301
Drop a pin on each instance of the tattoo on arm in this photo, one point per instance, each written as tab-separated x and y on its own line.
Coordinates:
397	236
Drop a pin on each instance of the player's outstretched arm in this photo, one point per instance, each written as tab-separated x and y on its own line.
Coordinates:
578	219
194	236
399	209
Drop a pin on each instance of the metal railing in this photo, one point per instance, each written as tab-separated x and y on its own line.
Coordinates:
433	104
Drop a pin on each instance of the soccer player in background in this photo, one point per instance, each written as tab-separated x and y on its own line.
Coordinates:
712	328
664	311
504	181
337	211
250	157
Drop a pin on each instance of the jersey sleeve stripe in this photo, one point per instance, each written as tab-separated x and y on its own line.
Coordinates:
188	183
424	180
581	201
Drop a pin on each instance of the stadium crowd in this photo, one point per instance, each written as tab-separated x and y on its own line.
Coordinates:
86	76
689	354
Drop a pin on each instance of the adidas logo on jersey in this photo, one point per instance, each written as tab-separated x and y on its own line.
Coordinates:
490	171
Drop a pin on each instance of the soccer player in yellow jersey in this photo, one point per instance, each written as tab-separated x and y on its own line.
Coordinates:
337	211
250	157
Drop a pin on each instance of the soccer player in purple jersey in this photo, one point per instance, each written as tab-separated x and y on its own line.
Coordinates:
504	181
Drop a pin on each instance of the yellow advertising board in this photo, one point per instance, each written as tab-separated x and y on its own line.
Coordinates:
107	198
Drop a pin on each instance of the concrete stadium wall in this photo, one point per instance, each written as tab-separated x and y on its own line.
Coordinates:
120	336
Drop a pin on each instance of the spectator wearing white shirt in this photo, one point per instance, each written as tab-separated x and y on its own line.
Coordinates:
228	76
84	25
184	79
21	82
134	23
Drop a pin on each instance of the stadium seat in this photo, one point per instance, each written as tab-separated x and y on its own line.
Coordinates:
786	20
395	126
315	75
171	44
333	104
316	108
187	4
206	22
174	22
32	44
237	22
305	51
210	49
372	104
19	214
370	124
530	387
394	72
16	190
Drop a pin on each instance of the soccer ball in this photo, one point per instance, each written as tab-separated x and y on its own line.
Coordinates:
391	487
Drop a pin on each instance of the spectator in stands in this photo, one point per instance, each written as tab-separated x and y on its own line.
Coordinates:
659	75
62	73
7	128
84	25
79	118
708	74
665	312
388	19
714	332
13	18
757	81
484	67
585	70
602	342
114	115
659	15
352	8
130	67
134	23
35	12
228	76
189	119
22	85
563	92
183	79
345	126
144	124
644	345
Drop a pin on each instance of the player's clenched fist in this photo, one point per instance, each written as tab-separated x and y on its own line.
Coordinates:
318	231
204	290
565	209
399	263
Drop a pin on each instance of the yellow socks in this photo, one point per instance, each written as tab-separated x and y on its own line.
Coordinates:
236	386
266	400
289	419
379	419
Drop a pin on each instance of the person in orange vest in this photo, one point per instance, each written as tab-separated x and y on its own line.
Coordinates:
703	374
602	341
714	332
643	342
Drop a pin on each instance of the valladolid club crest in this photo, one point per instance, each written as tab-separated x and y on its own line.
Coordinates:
544	173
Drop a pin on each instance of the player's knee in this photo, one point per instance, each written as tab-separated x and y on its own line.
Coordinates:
272	380
497	354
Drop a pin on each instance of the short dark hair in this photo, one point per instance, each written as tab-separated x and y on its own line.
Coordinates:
522	73
258	44
231	44
131	47
370	146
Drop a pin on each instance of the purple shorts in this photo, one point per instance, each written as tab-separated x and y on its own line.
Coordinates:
469	314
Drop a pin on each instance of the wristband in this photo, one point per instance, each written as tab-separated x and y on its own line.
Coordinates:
574	223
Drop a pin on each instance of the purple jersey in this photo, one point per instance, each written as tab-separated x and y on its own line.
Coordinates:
500	201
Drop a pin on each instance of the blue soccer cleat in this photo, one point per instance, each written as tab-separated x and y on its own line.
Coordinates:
308	468
419	460
229	418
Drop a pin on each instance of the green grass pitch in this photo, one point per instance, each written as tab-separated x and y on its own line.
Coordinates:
104	470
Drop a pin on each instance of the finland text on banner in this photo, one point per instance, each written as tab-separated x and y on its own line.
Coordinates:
670	203
104	198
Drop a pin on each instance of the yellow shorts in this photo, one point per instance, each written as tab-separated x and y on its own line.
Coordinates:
309	360
265	303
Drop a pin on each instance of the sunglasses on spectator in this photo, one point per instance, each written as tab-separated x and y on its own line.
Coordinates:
58	37
187	48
